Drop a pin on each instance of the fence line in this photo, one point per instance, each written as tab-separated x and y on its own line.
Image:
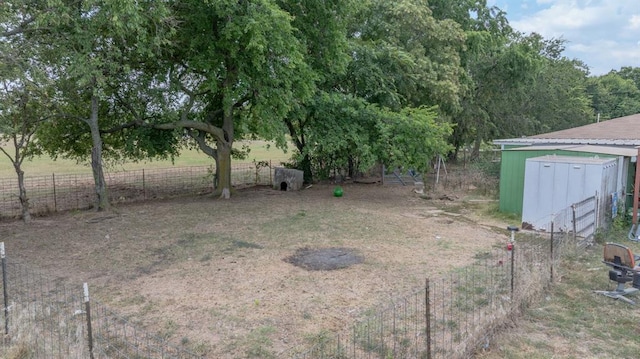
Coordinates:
451	317
458	315
47	318
64	192
76	191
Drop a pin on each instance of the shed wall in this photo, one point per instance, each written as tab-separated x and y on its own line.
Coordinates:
554	183
512	172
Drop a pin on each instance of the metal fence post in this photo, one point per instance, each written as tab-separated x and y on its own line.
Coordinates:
575	225
427	315
55	197
4	288
144	185
597	213
513	255
551	253
88	313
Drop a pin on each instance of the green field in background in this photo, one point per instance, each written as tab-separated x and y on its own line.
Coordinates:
41	166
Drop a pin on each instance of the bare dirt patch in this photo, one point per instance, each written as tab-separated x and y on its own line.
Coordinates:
325	258
213	275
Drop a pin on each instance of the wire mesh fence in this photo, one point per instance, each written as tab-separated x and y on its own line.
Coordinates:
458	315
449	318
76	191
42	318
46	318
453	316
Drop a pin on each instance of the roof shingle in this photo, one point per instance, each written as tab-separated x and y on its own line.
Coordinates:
622	131
622	128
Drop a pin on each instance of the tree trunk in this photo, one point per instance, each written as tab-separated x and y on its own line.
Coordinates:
223	147
299	142
306	169
480	132
102	199
351	172
453	155
223	169
24	200
475	152
216	175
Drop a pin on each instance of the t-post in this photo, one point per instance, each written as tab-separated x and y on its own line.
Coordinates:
511	249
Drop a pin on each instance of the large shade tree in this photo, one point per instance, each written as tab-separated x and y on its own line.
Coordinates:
498	63
88	49
25	100
557	97
235	68
322	27
629	73
400	58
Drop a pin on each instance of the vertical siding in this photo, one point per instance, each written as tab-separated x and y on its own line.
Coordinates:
512	175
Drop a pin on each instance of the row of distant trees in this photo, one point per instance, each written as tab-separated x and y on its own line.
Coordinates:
348	82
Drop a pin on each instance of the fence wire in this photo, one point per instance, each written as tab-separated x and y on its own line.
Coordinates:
459	314
46	318
43	318
71	192
453	316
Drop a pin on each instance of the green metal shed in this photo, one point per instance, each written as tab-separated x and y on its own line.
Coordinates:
512	169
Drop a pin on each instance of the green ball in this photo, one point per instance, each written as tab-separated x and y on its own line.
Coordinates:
337	192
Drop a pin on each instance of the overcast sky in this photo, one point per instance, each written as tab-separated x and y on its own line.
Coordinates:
604	34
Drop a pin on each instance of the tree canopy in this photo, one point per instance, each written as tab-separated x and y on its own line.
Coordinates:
349	83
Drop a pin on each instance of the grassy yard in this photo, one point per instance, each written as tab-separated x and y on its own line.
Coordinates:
572	321
41	166
216	276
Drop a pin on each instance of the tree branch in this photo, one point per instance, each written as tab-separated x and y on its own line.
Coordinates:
294	136
134	123
190	124
19	29
199	137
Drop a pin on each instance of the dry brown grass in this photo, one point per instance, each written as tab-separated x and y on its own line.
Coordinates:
211	274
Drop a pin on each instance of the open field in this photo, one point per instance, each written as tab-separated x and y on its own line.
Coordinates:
217	277
42	166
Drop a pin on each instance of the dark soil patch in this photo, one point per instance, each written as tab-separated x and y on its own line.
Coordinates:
325	258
